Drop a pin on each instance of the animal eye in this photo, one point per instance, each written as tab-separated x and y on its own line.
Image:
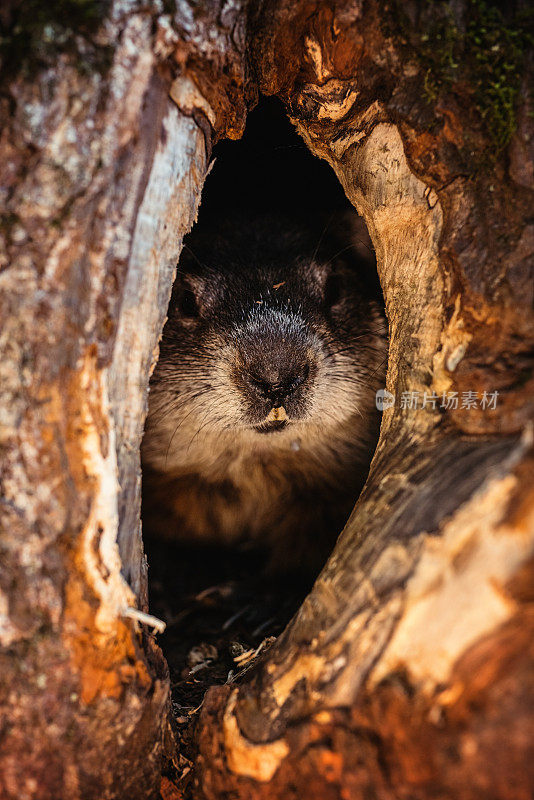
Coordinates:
258	384
187	304
333	290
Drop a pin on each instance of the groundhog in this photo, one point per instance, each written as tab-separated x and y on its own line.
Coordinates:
262	417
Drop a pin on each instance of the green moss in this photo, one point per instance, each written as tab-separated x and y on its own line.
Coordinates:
36	30
485	52
498	51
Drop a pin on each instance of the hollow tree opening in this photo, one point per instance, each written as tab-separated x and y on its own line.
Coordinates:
407	670
234	544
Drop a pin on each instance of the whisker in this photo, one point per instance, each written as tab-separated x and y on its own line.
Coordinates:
321	237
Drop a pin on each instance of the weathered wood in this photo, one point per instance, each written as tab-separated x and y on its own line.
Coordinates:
406	671
407	661
101	175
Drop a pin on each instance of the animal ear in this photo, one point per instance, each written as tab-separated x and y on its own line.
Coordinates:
329	279
188	297
187	304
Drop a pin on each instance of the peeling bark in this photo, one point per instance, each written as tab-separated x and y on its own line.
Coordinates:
408	665
423	579
101	177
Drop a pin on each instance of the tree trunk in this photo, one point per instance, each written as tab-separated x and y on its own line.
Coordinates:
407	672
102	175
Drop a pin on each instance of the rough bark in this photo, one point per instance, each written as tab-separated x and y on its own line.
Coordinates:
406	672
101	176
408	665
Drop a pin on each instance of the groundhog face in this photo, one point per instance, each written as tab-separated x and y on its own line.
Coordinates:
264	339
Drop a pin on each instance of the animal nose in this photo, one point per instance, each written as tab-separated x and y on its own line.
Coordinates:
278	390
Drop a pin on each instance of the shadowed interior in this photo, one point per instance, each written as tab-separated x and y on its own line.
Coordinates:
220	606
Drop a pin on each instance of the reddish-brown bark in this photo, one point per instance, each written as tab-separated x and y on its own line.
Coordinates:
382	726
407	671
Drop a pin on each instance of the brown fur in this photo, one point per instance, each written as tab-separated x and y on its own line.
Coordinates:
252	309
